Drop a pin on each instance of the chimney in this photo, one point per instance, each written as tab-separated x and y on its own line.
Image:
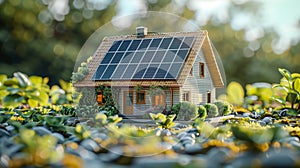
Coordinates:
141	31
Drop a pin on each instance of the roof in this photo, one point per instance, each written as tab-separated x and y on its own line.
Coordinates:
201	42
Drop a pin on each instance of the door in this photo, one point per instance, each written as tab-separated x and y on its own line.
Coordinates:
128	102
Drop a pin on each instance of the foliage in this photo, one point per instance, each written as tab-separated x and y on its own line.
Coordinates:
38	150
290	83
102	120
20	89
82	71
155	90
185	111
66	94
109	97
162	120
224	108
235	94
212	110
202	112
87	110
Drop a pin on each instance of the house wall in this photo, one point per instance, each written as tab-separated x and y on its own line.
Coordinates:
197	86
141	109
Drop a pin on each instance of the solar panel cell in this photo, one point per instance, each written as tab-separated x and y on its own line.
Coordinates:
134	45
150	72
124	45
109	71
165	43
175	43
139	73
99	72
145	43
161	72
137	57
115	46
118	56
119	71
107	58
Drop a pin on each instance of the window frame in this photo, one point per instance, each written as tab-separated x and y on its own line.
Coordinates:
201	69
137	96
159	100
191	72
101	97
186	96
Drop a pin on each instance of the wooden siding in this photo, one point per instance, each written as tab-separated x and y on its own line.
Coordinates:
141	109
197	86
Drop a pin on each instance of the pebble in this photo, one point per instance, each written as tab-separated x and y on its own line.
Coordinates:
41	130
60	138
289	139
90	145
193	149
155	162
246	115
4	133
166	132
267	120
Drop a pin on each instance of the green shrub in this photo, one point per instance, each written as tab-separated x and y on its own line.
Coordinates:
212	109
202	112
185	110
224	108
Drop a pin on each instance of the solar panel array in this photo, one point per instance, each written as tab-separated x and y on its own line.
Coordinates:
144	59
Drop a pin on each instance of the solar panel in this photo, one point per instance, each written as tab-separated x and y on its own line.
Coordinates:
148	58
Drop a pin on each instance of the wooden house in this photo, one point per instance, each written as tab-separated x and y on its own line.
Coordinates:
154	70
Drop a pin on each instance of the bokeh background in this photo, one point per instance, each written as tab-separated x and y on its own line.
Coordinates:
253	37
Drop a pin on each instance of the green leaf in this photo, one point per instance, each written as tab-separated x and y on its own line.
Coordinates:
12	100
3	78
12	90
296	85
285	73
10	82
235	93
22	79
44	98
36	80
32	103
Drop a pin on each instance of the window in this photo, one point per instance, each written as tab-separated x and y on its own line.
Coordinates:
208	96
191	72
140	97
186	96
159	100
201	69
100	98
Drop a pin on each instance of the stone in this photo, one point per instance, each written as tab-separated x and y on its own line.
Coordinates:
90	145
289	139
267	120
193	149
154	162
41	131
4	133
60	138
166	132
283	113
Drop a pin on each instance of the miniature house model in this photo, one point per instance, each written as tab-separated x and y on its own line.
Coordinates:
181	64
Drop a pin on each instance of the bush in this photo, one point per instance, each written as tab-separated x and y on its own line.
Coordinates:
224	108
185	110
212	110
202	113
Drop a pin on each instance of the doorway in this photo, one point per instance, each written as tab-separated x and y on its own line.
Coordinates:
128	102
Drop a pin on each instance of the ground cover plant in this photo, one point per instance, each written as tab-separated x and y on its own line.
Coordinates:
262	129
